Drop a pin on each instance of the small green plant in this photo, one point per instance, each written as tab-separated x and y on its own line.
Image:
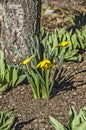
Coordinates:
43	32
9	75
75	122
37	65
6	120
76	40
81	37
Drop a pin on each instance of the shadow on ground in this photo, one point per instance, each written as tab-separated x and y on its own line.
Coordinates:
20	125
66	82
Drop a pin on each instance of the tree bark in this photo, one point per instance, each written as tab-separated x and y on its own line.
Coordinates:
20	17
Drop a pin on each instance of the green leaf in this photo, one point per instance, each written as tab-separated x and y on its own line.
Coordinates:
47	80
8	124
26	45
78	119
33	87
55	41
37	47
84	112
37	83
72	113
81	43
20	79
2	65
82	126
79	58
40	77
14	76
56	124
4	88
9	112
61	60
71	54
75	58
79	34
32	42
8	74
74	42
1	117
69	40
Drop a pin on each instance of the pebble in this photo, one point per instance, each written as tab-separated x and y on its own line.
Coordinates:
48	11
0	96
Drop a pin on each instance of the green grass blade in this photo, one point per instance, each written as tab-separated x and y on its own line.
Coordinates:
14	76
20	79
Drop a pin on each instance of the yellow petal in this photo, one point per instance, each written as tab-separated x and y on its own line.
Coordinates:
26	61
38	65
63	44
44	64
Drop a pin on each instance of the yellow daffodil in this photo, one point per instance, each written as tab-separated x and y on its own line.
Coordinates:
63	44
27	60
44	64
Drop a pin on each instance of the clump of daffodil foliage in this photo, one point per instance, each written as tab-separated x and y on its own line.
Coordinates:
10	76
38	65
47	54
76	42
43	57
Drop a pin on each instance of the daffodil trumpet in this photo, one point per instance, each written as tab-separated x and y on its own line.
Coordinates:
44	64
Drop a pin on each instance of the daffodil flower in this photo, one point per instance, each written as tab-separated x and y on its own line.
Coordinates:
63	44
27	60
44	64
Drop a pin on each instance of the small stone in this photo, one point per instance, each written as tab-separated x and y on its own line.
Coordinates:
0	96
49	11
74	93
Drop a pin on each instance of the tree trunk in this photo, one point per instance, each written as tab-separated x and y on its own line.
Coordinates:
20	17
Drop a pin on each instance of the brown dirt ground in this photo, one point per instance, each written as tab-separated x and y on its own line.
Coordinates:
31	114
